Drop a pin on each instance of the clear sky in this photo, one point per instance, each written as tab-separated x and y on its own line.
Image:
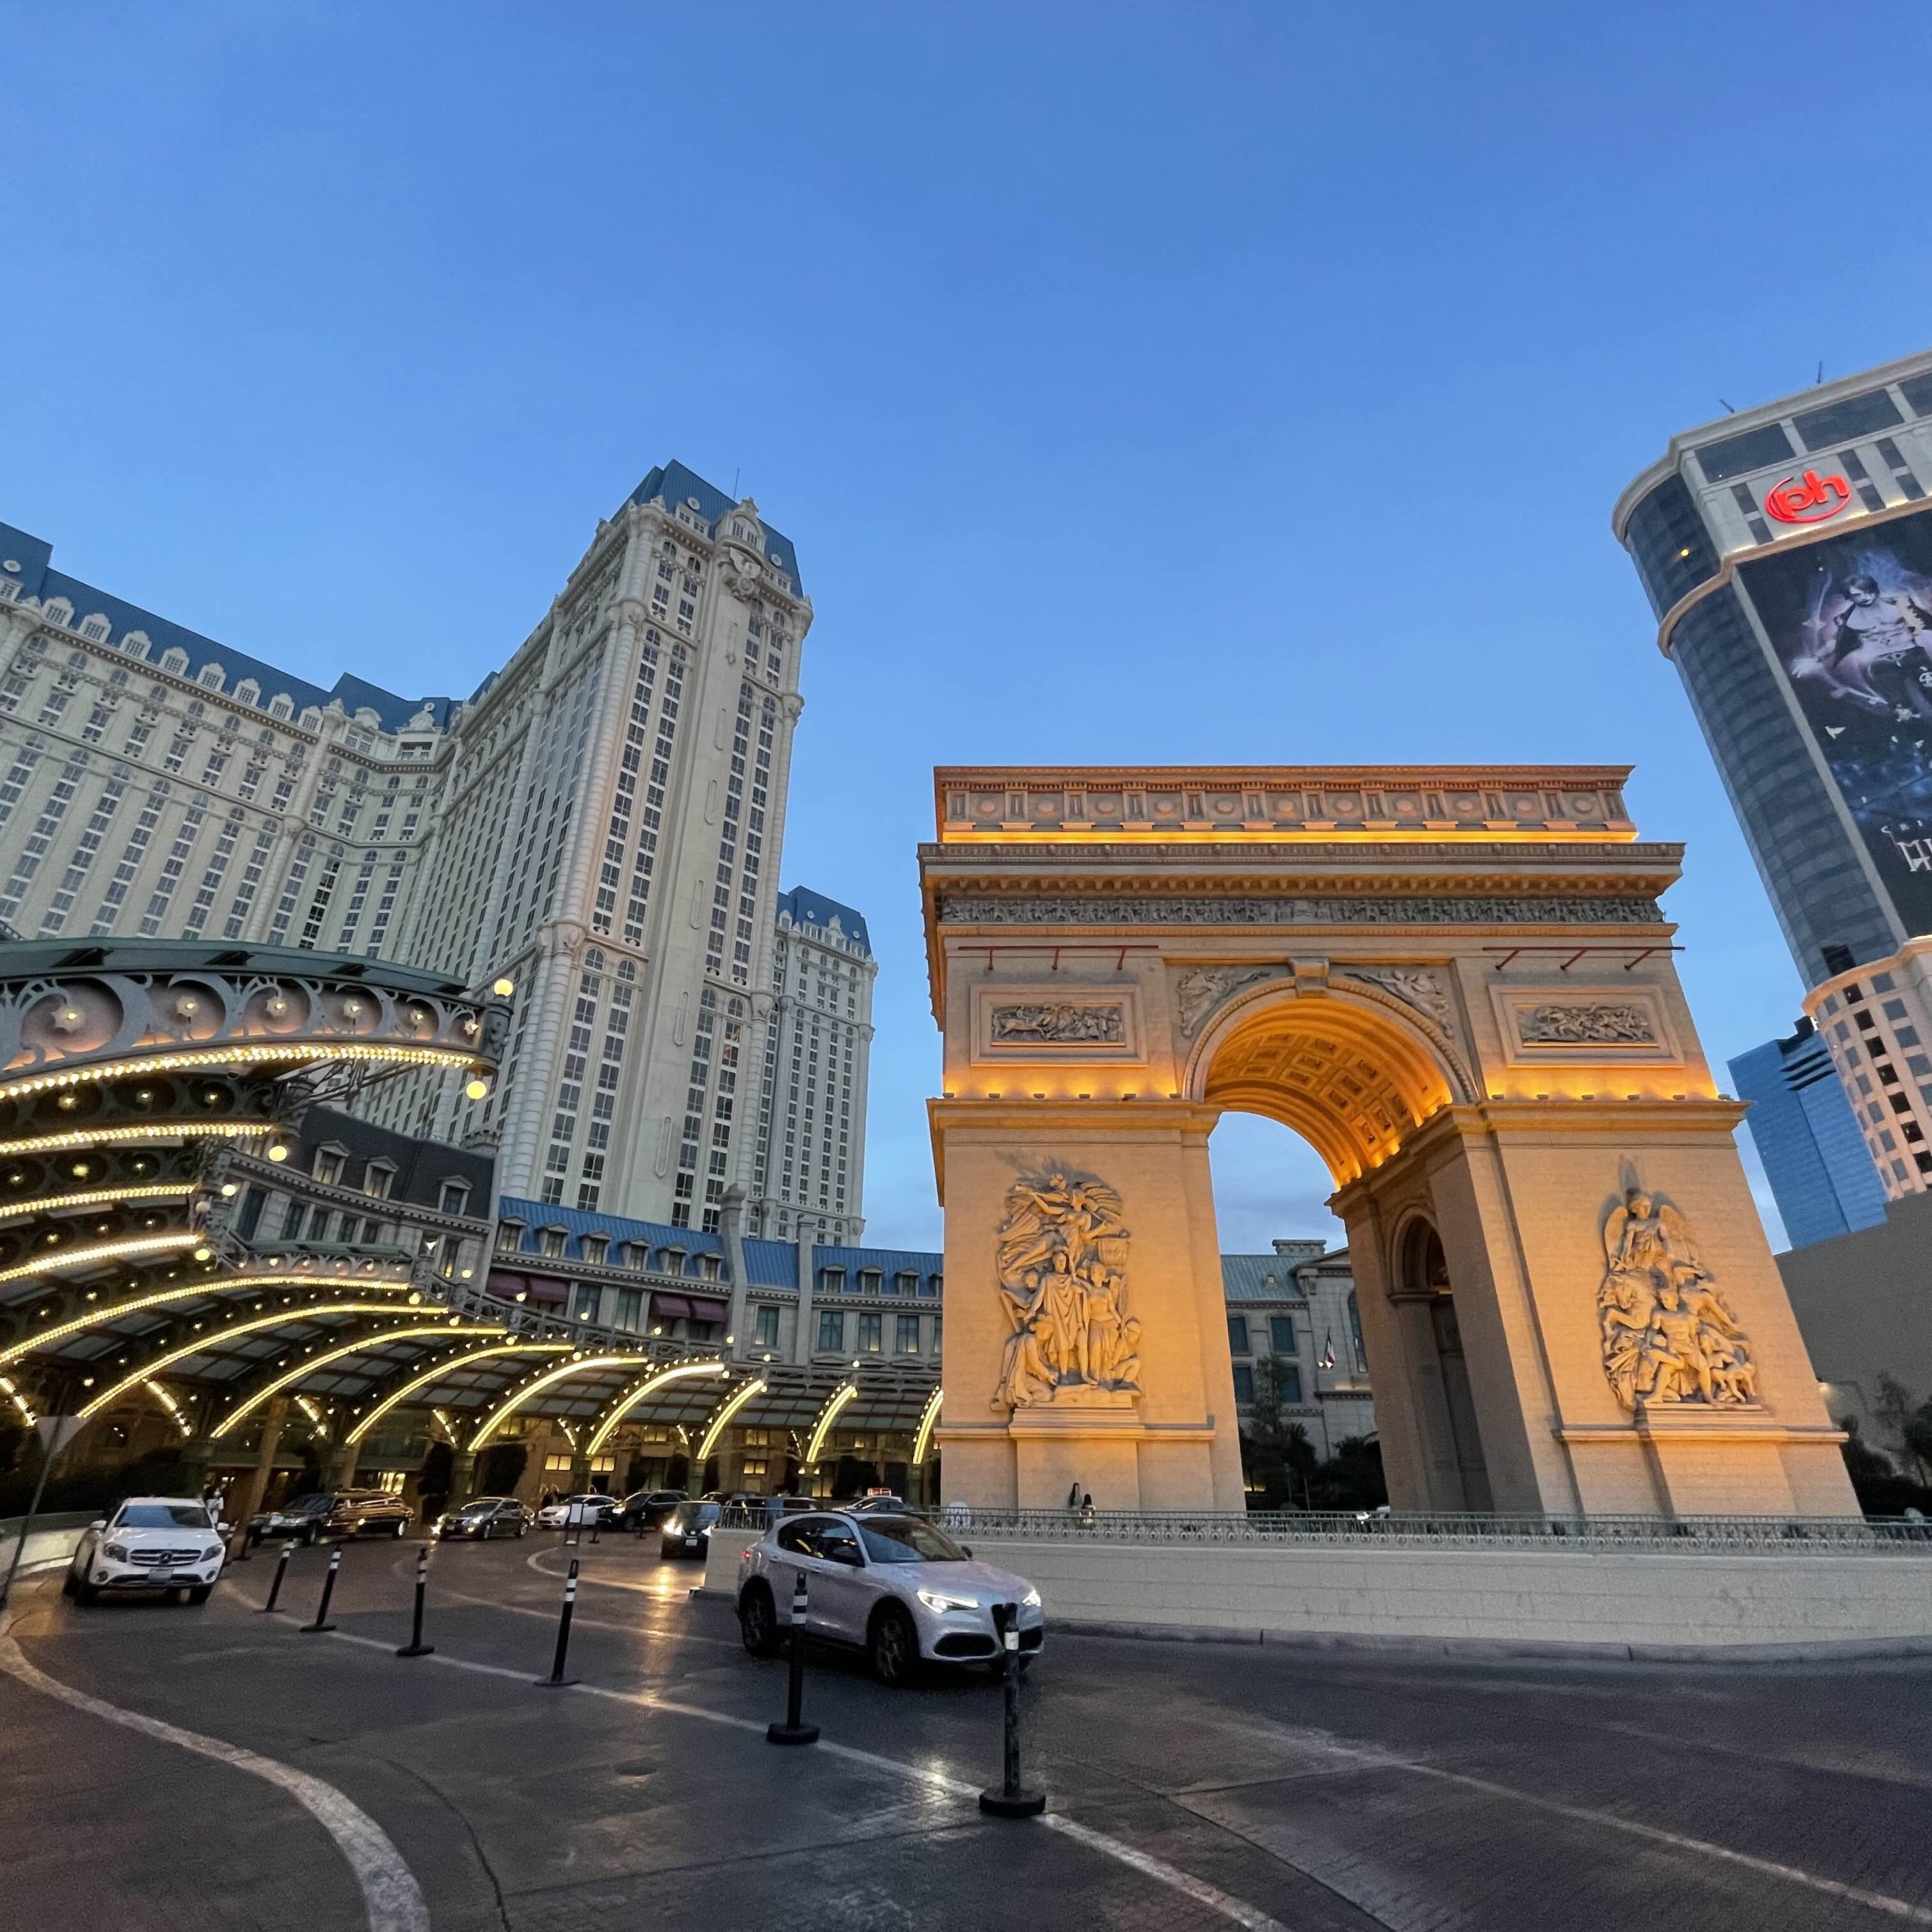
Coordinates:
1210	382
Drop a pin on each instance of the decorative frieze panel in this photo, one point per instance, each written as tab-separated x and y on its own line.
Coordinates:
1055	1023
1555	1027
1283	803
1047	909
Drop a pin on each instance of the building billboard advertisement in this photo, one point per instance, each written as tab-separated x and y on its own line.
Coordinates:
1850	619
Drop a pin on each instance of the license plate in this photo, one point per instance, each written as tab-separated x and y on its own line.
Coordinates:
163	1576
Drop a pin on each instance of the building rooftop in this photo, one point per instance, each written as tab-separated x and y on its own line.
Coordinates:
27	561
676	484
804	907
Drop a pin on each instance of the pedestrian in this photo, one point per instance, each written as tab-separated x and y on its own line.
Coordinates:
1073	1498
1086	1512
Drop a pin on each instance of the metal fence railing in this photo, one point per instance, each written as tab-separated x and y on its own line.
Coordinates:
1689	1535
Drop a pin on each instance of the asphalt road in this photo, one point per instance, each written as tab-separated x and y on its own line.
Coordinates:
1196	1785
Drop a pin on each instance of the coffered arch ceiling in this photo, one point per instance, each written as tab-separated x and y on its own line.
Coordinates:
1352	1080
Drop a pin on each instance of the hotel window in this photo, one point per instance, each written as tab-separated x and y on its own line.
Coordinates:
1290	1382
631	1308
551	1239
832	1281
832	1331
377	1179
595	1247
1281	1333
584	1304
509	1234
1244	1384
455	1197
872	1334
765	1335
327	1167
906	1337
1237	1334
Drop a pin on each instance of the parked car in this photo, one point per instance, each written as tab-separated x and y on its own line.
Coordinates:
334	1512
647	1508
687	1530
602	1512
485	1517
897	1587
149	1542
877	1504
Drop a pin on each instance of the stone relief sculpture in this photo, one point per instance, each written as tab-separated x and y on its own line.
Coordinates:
1201	989
1059	1024
1667	1335
1062	1258
1586	1026
1414	986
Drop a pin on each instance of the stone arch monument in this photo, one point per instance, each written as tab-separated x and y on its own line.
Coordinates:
1457	984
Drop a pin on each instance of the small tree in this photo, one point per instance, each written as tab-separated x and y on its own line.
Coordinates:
1277	1458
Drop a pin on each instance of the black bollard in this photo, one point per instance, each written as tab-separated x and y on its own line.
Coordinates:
556	1680
1011	1800
415	1647
596	1524
322	1622
793	1730
281	1570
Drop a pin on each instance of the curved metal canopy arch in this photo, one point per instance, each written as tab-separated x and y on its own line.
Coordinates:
453	1365
361	1344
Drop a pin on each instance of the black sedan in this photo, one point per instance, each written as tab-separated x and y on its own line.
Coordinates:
645	1509
486	1516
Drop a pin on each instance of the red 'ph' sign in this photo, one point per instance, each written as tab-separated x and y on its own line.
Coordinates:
1809	499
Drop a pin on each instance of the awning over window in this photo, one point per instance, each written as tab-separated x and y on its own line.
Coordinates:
670	1308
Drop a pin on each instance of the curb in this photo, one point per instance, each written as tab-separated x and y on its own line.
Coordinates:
1826	1650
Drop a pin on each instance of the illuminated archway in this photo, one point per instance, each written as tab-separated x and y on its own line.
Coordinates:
841	1398
922	1441
589	1365
201	1343
449	1366
1353	1079
732	1404
206	1288
631	1396
362	1343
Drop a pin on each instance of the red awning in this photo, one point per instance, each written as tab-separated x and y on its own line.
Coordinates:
670	1308
709	1311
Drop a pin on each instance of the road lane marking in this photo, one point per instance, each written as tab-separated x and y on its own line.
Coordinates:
391	1896
1372	1757
1250	1917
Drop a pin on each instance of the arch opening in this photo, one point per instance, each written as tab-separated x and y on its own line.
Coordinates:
1423	1269
1352	1080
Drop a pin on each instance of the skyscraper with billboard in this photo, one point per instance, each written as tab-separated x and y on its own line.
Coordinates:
1786	551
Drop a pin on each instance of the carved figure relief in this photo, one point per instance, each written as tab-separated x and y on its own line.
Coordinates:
1062	1258
1062	1024
1668	1335
1415	986
1201	989
1589	1026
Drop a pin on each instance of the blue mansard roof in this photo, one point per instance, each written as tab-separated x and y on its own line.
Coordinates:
676	484
807	907
37	578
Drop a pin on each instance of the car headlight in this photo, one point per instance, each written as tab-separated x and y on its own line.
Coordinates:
1031	1599
944	1599
118	1551
209	1555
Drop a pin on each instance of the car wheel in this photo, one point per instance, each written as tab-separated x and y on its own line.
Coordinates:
87	1593
177	1597
69	1585
894	1647
523	1529
758	1621
199	1593
312	1535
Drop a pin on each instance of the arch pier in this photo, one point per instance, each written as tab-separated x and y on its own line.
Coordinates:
1457	984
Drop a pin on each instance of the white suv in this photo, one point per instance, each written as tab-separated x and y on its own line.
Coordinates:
150	1543
898	1587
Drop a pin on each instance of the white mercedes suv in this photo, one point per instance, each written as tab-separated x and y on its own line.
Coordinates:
150	1543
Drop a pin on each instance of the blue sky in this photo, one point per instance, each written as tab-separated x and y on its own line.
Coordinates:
1210	382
